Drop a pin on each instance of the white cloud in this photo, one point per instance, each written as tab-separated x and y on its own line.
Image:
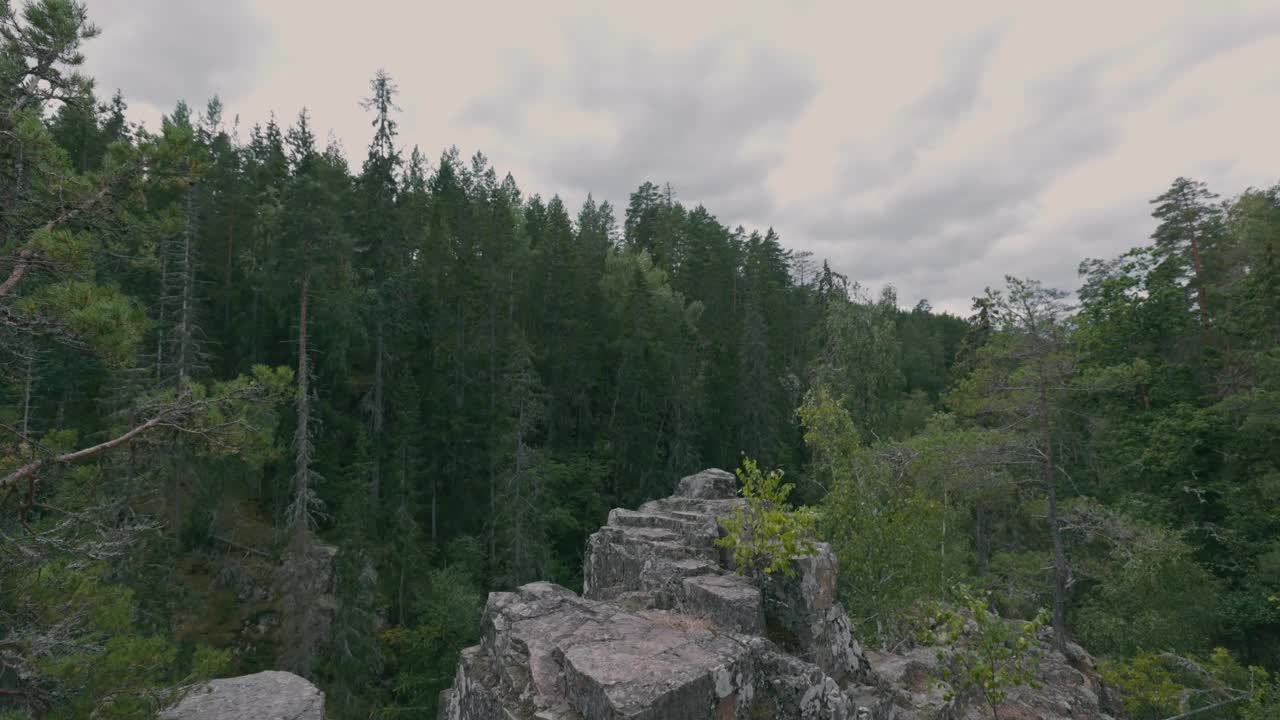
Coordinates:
935	147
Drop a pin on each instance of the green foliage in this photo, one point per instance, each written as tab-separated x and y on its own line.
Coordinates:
1263	704
861	363
208	663
1147	591
1147	685
766	533
1158	685
883	516
110	323
422	656
105	665
985	656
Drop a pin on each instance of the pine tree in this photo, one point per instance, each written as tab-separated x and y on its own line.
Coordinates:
378	235
1189	226
302	572
1022	382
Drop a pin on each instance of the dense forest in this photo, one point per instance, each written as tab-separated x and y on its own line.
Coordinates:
264	406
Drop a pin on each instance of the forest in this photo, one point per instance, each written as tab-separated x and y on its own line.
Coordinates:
266	406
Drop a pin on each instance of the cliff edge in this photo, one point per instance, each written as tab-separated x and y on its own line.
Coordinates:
665	630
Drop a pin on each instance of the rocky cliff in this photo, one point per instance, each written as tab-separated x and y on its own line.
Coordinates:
664	630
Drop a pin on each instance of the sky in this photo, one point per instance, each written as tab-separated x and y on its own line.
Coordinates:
933	146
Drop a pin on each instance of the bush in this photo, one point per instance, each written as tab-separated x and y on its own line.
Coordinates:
767	533
1158	685
985	655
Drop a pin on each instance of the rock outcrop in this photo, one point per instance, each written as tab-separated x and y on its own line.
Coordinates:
270	695
1069	689
665	630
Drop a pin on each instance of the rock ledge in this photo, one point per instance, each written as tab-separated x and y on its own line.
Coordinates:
664	630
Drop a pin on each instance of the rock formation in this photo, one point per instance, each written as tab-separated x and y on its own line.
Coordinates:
270	695
665	630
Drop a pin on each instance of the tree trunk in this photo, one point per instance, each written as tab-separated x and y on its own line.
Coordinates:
493	418
226	270
1055	529
1201	294
162	313
402	511
981	539
186	325
26	393
376	486
302	435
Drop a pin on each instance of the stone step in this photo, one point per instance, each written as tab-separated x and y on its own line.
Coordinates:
677	522
729	601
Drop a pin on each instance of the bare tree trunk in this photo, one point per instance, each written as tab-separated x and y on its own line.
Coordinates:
376	488
185	354
402	511
186	328
299	572
1201	293
1055	528
299	518
493	418
981	540
226	269
164	283
26	392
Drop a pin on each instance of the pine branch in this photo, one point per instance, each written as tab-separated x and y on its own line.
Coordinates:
34	466
27	254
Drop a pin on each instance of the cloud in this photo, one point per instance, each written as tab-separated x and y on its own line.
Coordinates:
162	51
616	112
969	185
934	150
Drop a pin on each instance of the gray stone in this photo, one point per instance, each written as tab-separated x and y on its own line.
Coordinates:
812	624
912	675
270	695
731	602
709	484
545	652
628	559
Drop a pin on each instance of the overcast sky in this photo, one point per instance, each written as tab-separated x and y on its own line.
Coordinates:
935	146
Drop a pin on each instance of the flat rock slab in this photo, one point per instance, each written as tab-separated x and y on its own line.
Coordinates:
731	602
712	483
270	695
555	649
681	522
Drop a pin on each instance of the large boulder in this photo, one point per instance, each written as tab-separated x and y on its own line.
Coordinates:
545	652
710	484
270	695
